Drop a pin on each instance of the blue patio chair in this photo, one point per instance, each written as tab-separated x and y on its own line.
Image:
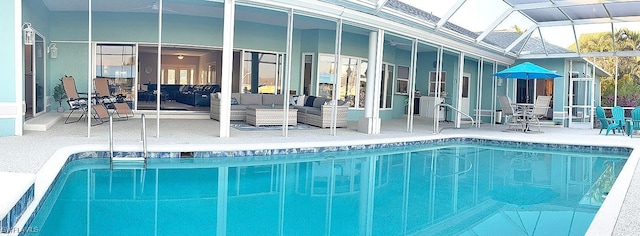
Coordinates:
618	120
634	123
604	121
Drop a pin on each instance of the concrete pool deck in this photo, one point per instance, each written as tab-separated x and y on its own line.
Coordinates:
36	151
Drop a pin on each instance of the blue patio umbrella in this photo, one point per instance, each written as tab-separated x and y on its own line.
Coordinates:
527	71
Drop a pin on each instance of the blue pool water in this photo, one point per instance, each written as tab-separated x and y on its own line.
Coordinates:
448	189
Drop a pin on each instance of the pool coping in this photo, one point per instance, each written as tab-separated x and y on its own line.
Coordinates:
603	223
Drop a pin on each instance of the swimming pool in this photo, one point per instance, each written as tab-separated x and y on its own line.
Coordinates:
448	187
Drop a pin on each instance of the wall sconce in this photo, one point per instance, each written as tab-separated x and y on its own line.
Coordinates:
52	50
180	57
29	35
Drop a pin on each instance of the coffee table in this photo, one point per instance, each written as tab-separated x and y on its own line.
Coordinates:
268	115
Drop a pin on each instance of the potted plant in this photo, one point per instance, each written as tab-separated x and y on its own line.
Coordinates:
59	95
406	105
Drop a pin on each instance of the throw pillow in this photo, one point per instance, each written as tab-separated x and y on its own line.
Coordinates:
234	101
300	101
309	101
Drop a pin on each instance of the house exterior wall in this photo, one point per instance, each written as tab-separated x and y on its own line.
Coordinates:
11	66
70	32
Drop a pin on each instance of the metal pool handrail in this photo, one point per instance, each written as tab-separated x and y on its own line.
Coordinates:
436	126
143	139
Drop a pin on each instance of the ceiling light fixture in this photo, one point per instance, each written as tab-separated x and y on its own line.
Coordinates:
180	57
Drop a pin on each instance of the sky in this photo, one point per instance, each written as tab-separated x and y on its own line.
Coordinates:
478	15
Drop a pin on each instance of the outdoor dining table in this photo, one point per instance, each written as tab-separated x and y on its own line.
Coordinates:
524	109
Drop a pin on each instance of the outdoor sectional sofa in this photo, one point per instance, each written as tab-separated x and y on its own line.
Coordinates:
239	110
316	111
311	110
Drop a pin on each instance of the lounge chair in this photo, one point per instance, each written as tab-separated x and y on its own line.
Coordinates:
76	103
513	120
634	123
538	111
118	103
100	113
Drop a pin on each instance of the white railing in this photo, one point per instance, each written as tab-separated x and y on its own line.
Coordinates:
436	126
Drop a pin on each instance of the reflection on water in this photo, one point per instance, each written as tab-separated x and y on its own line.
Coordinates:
434	191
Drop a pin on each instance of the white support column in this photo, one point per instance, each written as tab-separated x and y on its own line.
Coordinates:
227	67
370	123
436	113
494	92
592	109
371	67
16	108
159	68
478	108
378	82
459	94
90	68
287	74
336	75
615	84
412	85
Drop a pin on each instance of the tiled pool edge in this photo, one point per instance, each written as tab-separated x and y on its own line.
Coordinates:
604	223
18	195
48	175
306	150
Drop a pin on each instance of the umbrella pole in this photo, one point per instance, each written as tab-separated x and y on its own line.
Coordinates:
526	96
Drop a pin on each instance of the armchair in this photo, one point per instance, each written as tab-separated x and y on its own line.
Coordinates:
610	124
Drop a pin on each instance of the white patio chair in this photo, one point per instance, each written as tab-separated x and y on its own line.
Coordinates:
514	120
539	110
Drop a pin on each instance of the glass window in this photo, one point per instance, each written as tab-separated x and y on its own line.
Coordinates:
326	68
363	84
402	83
178	75
261	73
386	88
118	63
171	76
348	80
353	81
433	83
307	73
